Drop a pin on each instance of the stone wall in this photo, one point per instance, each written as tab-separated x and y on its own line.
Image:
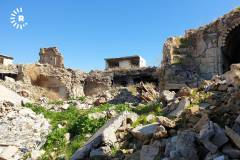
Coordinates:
200	52
51	56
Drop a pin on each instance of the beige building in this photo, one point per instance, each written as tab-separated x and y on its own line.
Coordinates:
51	56
5	60
125	62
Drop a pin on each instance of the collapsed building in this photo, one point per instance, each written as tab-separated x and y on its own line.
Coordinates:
125	62
201	53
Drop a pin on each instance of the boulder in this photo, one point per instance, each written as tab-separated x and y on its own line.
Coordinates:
182	146
233	76
212	136
149	152
183	104
144	132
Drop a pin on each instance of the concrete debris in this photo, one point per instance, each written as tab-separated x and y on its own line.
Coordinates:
146	93
22	131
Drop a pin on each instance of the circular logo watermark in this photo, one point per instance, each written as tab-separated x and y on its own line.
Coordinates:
17	18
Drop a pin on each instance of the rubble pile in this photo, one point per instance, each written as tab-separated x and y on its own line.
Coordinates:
198	123
22	131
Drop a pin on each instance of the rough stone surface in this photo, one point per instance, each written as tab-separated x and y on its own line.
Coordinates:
182	146
144	132
166	122
183	104
22	131
149	152
212	136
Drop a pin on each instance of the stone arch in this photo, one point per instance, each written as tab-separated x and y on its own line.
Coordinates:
230	46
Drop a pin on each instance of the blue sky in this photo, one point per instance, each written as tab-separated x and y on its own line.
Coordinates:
87	31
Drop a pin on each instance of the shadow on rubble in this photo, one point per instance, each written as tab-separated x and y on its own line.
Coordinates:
124	96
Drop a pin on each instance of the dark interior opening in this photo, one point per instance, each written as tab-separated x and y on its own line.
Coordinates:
125	80
3	75
231	51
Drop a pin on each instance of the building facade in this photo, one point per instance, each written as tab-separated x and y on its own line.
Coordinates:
125	62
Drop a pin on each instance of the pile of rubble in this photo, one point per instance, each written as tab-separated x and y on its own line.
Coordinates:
199	123
22	131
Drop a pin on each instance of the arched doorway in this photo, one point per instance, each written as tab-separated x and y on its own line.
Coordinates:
231	50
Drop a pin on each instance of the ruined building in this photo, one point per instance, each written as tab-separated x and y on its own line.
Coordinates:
7	68
51	56
201	53
5	60
125	62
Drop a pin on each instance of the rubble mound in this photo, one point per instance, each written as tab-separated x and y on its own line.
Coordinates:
22	131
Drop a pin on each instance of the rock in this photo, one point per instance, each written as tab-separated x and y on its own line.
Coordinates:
233	136
212	136
166	122
233	76
131	118
183	104
111	113
65	106
182	146
203	121
231	152
147	93
24	129
184	91
36	154
97	115
9	79
204	105
220	158
105	135
100	153
67	137
11	96
149	152
150	118
160	132
8	152
167	95
83	106
24	93
194	109
134	156
144	132
100	101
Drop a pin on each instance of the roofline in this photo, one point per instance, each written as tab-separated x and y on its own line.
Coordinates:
6	56
120	58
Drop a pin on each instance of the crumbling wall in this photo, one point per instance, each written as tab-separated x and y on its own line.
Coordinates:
201	52
51	56
96	83
65	82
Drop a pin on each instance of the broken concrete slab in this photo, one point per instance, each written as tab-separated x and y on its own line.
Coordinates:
11	96
144	132
105	135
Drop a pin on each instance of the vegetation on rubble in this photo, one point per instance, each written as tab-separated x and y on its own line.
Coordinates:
80	126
